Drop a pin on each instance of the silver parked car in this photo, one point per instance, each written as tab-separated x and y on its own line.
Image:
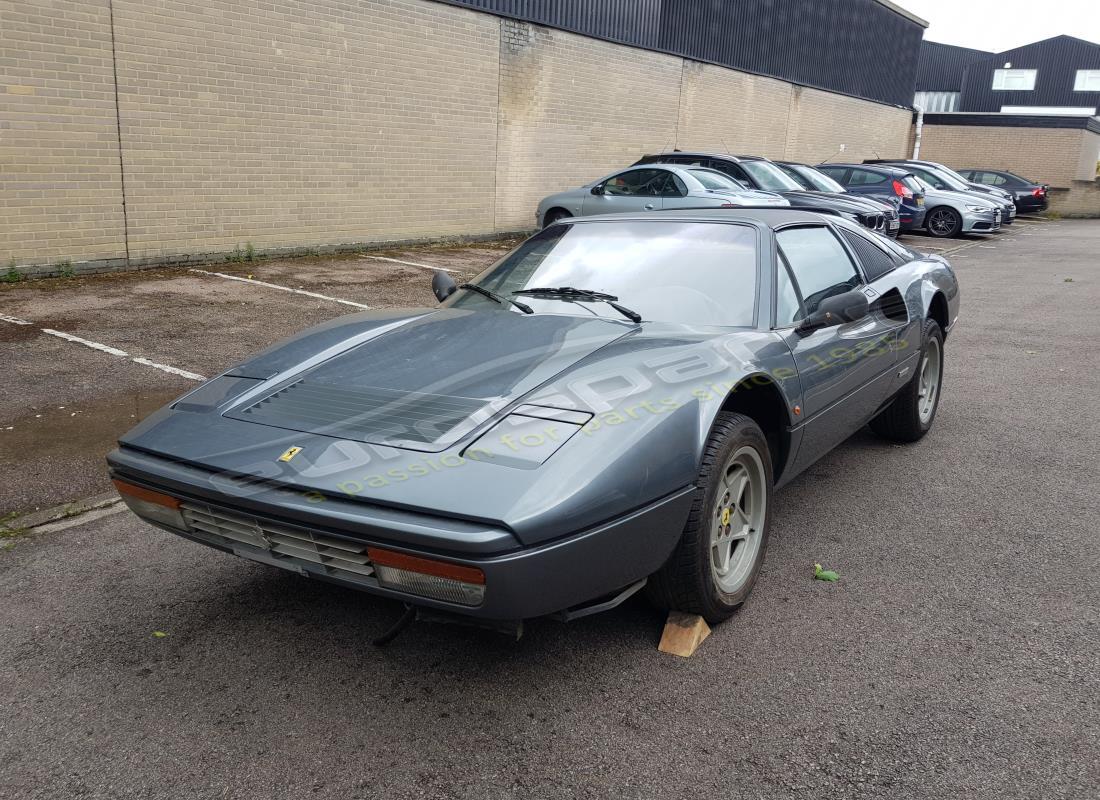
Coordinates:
956	213
650	188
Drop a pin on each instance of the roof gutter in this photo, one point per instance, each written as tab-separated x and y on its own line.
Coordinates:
902	12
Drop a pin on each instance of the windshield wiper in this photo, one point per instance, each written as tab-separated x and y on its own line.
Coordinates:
569	293
473	287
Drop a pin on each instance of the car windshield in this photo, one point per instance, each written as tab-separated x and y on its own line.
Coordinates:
692	273
715	180
770	177
954	182
819	180
952	174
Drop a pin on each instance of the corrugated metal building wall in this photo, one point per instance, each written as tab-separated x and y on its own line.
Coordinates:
941	67
863	48
1056	62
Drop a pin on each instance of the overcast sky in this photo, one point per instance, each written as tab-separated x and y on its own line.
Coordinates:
998	25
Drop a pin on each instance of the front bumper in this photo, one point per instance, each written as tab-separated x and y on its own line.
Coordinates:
984	222
520	582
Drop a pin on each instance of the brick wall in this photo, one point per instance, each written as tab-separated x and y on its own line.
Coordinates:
1059	157
572	109
1043	154
314	123
60	187
304	123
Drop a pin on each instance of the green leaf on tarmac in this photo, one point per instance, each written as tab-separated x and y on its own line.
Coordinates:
825	574
159	634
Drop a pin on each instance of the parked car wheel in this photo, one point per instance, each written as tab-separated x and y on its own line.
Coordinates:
913	411
718	558
943	222
553	215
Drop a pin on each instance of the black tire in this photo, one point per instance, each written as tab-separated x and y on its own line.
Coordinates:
686	582
553	215
901	421
943	222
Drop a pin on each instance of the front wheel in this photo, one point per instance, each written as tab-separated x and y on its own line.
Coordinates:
717	560
943	222
911	414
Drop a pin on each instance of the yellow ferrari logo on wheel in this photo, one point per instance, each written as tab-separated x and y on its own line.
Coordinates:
290	453
726	517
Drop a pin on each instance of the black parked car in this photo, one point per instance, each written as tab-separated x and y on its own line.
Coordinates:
814	180
893	184
1029	196
755	172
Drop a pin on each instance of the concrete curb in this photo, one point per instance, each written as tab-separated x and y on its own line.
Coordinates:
69	269
28	522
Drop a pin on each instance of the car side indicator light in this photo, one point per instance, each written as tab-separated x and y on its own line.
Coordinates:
427	577
798	411
152	506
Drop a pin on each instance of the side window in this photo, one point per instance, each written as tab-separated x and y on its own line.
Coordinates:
671	186
876	262
788	306
819	263
731	169
636	182
993	179
836	173
864	177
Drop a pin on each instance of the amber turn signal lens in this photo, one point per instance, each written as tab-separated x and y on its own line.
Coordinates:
148	495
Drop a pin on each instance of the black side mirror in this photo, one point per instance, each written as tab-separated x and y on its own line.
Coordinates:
836	310
597	189
443	285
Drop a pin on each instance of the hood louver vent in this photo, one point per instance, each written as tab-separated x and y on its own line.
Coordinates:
383	416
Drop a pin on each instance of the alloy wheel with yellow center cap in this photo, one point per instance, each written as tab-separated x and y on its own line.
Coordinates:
738	520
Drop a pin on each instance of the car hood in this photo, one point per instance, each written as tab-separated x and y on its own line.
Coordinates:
629	405
427	383
945	196
992	191
836	202
748	197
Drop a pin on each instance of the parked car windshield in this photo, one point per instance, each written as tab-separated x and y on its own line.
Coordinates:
770	177
954	182
818	180
952	174
692	273
716	180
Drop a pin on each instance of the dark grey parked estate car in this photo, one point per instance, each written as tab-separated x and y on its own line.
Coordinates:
612	403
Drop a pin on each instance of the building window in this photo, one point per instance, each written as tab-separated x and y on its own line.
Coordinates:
937	102
1088	80
1019	80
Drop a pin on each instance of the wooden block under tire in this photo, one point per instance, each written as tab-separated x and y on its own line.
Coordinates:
683	634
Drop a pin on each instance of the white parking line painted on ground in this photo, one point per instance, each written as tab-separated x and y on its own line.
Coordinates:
114	351
94	345
173	370
409	263
280	288
14	320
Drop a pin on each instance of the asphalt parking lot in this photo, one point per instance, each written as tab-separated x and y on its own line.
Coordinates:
958	656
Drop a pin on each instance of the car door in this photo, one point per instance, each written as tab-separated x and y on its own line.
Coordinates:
633	190
845	370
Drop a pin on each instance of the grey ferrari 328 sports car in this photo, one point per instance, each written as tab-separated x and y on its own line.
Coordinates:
609	407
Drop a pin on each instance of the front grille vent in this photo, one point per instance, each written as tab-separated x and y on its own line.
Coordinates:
340	558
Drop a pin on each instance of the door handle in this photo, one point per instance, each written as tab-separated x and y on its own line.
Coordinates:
648	206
